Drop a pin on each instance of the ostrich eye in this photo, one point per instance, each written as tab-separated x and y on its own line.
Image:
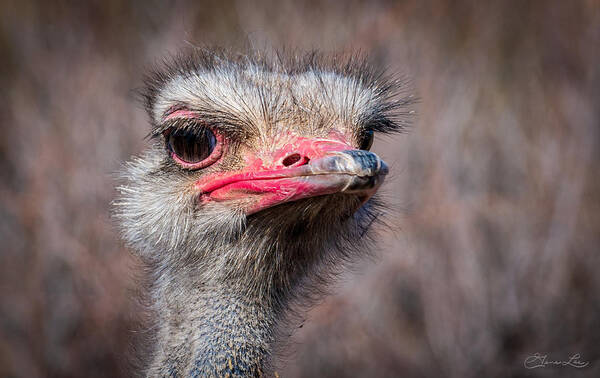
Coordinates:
367	141
192	147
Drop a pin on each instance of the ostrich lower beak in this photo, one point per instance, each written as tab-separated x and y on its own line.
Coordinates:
354	172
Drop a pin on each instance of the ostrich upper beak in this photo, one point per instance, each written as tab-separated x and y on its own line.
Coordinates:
330	170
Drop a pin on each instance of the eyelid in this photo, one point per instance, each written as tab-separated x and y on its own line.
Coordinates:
179	111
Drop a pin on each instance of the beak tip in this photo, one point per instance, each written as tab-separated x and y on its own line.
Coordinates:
366	163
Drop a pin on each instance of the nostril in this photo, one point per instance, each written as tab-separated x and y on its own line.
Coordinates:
291	159
294	159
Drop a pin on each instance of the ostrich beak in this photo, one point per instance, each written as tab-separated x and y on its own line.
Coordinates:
332	170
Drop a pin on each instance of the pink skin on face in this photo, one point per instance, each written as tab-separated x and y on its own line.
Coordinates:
272	178
271	192
262	185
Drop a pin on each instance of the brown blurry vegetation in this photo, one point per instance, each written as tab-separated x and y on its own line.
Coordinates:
494	248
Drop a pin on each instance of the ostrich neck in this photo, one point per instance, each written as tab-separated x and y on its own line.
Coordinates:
208	329
219	310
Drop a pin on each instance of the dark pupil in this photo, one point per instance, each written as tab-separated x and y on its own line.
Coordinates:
367	141
192	147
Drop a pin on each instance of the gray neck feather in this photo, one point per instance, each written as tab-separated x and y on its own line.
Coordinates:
208	330
221	300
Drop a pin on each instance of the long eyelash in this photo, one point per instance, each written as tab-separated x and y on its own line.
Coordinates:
196	126
183	125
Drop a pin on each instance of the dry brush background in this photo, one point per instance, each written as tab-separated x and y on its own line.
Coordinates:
494	250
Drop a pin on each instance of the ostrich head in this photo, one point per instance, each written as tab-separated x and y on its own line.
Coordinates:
258	184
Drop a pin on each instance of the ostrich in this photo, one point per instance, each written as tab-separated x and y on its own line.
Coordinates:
257	187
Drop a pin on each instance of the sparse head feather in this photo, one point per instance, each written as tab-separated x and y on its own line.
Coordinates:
250	89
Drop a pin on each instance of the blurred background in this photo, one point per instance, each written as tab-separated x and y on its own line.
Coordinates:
493	253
